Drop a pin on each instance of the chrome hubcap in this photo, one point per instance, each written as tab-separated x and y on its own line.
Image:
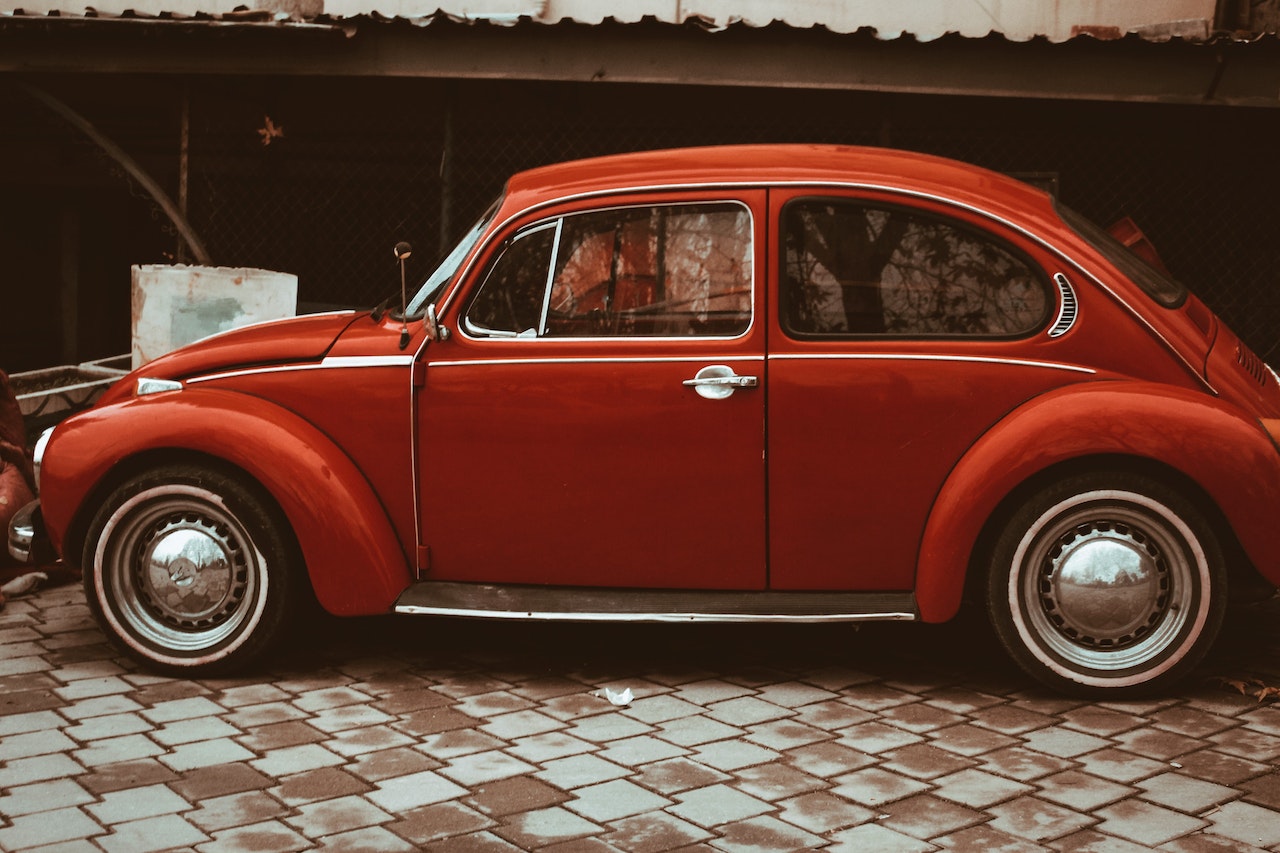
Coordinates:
1104	585
190	572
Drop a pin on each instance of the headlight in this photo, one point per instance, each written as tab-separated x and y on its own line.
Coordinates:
37	453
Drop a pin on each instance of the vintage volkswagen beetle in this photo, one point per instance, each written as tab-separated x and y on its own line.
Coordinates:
786	383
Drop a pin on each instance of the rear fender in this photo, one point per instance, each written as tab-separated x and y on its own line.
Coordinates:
353	556
1226	454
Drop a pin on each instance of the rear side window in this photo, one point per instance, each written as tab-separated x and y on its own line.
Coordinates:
851	268
645	271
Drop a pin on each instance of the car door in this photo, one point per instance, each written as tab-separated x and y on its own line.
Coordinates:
597	417
903	329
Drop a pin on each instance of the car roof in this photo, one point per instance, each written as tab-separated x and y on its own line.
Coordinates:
772	165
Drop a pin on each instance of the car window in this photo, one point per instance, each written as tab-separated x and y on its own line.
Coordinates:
646	271
1160	287
851	268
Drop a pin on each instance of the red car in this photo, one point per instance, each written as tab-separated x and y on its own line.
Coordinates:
764	383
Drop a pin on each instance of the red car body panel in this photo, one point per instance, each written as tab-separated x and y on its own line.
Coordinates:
857	464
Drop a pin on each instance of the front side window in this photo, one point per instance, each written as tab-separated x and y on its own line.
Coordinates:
651	271
851	268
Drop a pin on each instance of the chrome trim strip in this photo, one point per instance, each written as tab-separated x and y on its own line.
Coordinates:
345	362
977	359
596	360
566	616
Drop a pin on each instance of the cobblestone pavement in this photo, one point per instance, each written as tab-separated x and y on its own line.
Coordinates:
403	734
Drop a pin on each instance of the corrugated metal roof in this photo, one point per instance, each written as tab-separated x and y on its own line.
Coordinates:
921	20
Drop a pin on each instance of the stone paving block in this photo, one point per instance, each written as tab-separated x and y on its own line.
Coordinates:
481	767
190	731
877	697
1081	791
28	744
430	823
745	711
540	828
432	720
389	763
876	738
1247	743
1247	823
709	690
99	706
874	787
692	731
1101	721
926	817
416	789
660	709
1145	823
969	740
643	749
1185	794
606	727
678	774
832	715
43	797
516	794
785	734
920	717
544	747
574	771
656	833
823	812
713	805
112	725
446	746
182	709
340	814
614	800
794	694
208	753
198	785
985	839
828	759
243	809
366	840
295	759
137	803
923	761
730	755
1192	722
978	789
117	749
352	742
1213	766
166	832
765	834
51	827
273	736
35	721
520	724
1037	820
126	774
264	714
250	694
1063	742
1121	766
870	836
323	783
776	780
266	837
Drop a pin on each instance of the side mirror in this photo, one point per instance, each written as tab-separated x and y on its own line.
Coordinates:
435	332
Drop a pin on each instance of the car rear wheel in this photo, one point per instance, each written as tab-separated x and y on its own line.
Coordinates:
189	570
1107	584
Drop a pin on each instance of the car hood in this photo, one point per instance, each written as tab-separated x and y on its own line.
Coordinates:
305	338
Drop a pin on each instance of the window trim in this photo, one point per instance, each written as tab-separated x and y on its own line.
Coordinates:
466	327
1038	272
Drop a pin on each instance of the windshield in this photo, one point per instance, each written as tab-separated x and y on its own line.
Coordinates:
1154	283
435	282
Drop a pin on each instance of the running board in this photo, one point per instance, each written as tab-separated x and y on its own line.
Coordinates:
601	604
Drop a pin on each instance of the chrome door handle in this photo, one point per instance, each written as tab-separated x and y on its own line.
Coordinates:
718	381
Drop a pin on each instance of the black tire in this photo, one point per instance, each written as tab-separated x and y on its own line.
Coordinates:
191	571
1107	585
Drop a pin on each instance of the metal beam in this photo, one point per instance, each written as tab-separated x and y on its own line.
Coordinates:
1129	69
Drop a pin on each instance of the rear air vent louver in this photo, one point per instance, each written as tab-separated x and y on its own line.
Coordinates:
1251	363
1067	310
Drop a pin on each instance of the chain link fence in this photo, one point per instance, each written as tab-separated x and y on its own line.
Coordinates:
321	177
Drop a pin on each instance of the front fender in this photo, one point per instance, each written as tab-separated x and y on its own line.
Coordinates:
1222	450
354	559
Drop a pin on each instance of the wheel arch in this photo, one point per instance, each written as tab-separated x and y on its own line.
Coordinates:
355	568
1213	447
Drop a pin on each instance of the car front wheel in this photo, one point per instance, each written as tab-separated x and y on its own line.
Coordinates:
1107	584
189	570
